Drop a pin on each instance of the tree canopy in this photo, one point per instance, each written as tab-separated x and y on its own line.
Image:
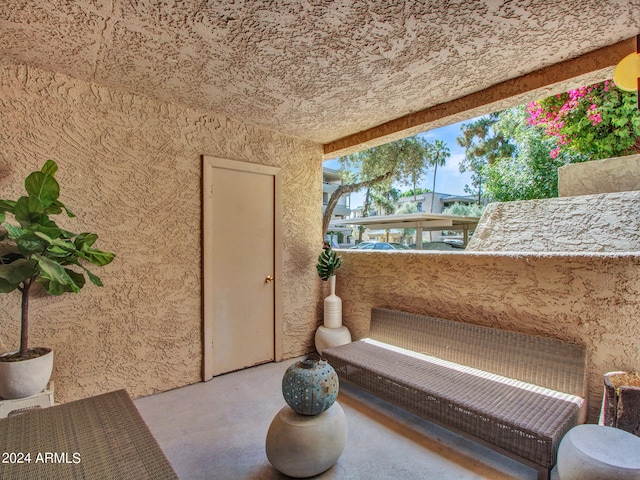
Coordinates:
402	161
404	209
483	145
515	154
527	170
418	191
464	210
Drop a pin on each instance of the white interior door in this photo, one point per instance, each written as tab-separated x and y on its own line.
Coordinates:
239	265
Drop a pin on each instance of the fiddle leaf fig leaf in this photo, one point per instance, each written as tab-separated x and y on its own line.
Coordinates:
7	287
57	207
55	288
53	271
53	209
13	231
50	168
94	278
97	257
28	210
85	240
18	271
28	244
56	242
7	206
42	186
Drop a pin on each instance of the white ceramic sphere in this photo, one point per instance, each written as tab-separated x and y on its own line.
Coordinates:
302	446
598	452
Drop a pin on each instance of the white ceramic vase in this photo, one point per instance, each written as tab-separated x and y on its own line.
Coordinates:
332	307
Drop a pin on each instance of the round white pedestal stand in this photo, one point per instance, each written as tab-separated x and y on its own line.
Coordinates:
331	337
302	446
593	452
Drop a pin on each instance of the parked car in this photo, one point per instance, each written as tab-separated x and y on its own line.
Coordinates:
380	246
446	245
454	242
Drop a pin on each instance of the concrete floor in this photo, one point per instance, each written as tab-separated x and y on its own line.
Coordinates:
217	430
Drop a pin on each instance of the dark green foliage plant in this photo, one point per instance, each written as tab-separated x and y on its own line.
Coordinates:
529	171
328	263
36	250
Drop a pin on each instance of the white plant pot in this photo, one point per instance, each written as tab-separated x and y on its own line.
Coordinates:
332	307
26	377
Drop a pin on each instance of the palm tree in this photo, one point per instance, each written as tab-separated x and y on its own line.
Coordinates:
438	154
384	199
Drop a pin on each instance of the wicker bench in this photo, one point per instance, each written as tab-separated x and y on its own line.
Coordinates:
518	394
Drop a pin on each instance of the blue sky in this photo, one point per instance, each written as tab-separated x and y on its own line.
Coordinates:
448	180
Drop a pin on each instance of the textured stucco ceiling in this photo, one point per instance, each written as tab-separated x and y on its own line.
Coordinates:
314	69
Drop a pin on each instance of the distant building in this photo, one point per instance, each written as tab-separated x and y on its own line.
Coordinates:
331	180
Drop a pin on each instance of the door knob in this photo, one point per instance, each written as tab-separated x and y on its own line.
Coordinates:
269	279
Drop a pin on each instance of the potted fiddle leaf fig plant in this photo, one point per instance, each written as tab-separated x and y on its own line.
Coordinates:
34	249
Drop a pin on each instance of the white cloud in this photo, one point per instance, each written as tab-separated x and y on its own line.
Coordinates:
453	163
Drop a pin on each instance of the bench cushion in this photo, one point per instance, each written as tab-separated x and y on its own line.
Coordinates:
533	359
525	419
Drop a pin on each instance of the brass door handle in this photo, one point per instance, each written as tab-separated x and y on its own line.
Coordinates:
269	279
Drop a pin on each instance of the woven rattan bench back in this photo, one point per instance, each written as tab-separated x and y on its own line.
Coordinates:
541	361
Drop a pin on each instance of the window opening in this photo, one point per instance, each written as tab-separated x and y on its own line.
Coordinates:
456	170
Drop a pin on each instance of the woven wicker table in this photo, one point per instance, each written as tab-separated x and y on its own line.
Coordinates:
102	437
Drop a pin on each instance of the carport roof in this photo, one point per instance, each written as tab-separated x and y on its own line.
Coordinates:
426	221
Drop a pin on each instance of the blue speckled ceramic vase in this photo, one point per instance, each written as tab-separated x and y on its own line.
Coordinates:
310	386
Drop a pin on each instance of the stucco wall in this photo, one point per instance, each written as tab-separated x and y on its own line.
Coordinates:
607	222
591	299
619	174
130	168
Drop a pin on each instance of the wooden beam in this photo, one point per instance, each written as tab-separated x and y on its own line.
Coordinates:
589	68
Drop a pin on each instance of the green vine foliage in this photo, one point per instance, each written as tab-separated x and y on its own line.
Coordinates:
328	263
